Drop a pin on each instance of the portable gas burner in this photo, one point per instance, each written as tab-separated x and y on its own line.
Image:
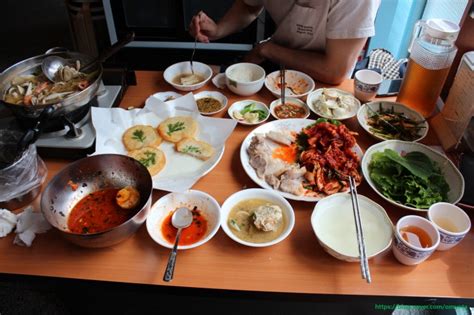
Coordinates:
71	135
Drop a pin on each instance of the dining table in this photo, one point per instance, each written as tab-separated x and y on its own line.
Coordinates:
298	264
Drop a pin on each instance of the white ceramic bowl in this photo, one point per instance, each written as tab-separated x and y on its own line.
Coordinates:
314	96
333	223
368	109
166	96
257	193
292	100
216	95
185	67
451	174
244	78
170	202
298	84
238	106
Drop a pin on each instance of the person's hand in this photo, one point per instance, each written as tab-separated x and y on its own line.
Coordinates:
203	28
257	54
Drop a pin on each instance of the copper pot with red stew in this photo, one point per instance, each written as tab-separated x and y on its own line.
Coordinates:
80	201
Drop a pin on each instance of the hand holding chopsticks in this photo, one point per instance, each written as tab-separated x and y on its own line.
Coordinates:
364	264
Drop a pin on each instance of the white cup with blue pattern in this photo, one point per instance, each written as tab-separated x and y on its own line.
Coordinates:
366	84
452	223
404	248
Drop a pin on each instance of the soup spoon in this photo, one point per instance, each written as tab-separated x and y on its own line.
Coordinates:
182	218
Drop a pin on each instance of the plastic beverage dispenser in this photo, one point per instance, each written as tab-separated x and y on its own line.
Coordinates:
432	51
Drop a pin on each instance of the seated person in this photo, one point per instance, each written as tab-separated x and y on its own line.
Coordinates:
322	38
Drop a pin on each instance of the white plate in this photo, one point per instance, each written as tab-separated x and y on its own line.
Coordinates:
160	210
166	96
283	124
181	171
216	95
238	106
451	174
293	78
314	96
363	115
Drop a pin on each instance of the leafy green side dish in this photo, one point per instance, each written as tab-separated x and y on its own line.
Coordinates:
252	108
191	149
412	180
149	160
175	127
139	135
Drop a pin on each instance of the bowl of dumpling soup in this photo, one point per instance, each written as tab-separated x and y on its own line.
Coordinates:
257	217
182	78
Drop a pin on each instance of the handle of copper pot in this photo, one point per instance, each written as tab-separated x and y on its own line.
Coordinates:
32	134
56	50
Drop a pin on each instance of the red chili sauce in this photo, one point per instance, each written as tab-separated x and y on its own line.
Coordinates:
289	110
189	235
97	212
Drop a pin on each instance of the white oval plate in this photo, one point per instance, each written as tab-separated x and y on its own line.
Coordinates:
313	96
363	115
294	124
451	174
293	78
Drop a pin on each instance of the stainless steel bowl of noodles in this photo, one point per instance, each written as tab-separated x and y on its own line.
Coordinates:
27	92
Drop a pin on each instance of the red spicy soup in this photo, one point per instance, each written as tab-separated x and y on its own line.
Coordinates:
97	212
189	235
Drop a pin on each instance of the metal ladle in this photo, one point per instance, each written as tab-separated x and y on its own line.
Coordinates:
50	65
182	218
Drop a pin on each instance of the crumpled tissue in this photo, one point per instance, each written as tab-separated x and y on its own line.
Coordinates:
29	224
7	222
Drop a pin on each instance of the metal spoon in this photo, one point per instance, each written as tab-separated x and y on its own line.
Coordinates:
182	218
50	65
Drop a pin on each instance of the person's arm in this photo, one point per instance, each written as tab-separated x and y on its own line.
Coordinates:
239	16
330	67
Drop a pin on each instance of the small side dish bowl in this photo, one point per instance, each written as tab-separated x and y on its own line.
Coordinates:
205	203
166	96
368	110
211	94
293	108
451	174
89	175
262	194
244	78
258	107
333	103
333	223
184	67
298	84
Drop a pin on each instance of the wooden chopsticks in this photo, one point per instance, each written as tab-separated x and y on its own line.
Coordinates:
364	263
282	83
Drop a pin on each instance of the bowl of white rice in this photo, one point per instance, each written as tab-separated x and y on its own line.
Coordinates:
245	78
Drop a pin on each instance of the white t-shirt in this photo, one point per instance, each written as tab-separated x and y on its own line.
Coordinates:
305	24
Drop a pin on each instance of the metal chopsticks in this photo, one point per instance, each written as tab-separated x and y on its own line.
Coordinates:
282	83
192	56
364	264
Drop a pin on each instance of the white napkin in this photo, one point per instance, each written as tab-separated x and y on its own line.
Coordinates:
7	222
29	224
